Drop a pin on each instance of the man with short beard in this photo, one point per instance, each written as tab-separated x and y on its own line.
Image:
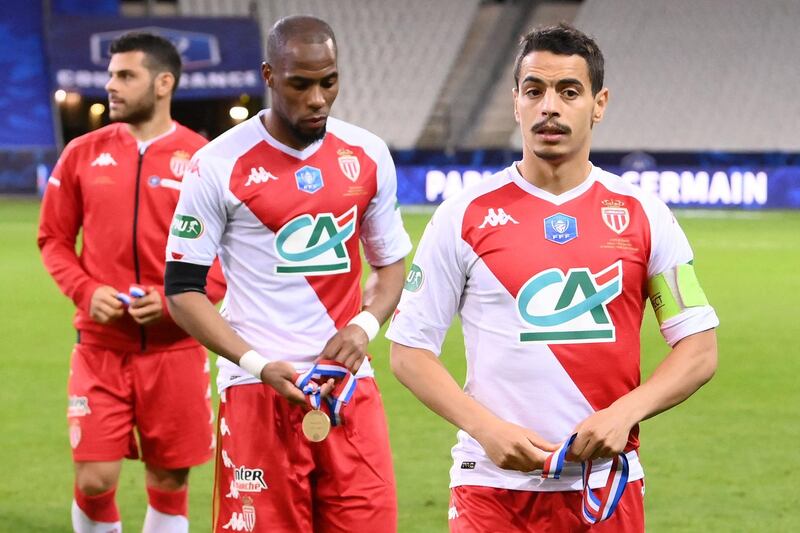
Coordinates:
285	198
132	366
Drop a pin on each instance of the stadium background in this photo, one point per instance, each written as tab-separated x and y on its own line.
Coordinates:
703	112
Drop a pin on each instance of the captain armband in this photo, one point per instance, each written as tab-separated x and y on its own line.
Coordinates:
674	291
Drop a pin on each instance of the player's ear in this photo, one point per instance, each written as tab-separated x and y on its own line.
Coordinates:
600	103
266	73
164	83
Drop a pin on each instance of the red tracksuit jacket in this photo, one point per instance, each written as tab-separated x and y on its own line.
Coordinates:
124	202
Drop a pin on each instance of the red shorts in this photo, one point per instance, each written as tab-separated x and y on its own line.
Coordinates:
166	395
476	509
269	477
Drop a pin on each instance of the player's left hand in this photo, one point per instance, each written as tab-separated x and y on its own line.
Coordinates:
603	434
348	347
147	309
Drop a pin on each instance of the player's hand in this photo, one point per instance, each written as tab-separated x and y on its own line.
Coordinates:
602	434
513	447
348	347
280	376
104	306
147	309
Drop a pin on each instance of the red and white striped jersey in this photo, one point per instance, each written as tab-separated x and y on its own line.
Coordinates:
551	292
286	225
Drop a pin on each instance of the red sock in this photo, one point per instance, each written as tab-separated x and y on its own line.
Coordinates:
169	502
101	507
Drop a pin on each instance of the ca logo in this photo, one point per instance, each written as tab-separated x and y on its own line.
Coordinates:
315	245
571	308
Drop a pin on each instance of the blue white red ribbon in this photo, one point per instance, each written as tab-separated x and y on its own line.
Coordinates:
324	369
594	509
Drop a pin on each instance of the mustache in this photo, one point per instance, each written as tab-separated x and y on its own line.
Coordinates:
550	124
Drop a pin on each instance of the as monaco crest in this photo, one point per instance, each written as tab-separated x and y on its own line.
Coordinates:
615	216
349	164
179	163
249	513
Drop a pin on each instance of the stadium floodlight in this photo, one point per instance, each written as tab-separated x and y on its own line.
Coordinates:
60	95
238	112
97	109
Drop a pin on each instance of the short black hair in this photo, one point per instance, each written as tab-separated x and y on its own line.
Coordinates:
563	39
160	54
304	27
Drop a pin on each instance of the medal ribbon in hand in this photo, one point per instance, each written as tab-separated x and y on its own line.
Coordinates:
309	383
594	509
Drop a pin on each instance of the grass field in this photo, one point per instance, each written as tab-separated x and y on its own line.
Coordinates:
724	461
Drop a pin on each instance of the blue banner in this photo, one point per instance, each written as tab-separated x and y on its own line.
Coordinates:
221	56
738	187
25	112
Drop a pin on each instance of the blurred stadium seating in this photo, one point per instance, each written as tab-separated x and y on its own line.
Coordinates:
699	86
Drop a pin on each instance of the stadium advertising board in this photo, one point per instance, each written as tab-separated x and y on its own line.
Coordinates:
221	57
704	187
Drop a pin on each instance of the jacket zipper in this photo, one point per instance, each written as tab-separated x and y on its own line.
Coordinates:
142	332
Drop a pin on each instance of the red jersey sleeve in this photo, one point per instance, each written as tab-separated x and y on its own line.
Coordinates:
60	221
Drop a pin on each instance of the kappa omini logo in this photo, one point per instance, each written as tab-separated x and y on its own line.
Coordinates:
104	160
315	245
615	216
186	227
349	164
259	175
569	308
244	521
497	218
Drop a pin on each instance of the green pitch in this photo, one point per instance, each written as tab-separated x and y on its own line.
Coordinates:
724	461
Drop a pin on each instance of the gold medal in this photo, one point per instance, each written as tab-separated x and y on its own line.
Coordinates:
316	425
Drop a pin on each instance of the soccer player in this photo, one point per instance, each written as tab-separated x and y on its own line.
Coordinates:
132	366
286	197
549	263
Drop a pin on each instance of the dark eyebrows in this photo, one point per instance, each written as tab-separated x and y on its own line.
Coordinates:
561	82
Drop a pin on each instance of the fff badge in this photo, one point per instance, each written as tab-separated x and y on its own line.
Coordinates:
560	228
309	179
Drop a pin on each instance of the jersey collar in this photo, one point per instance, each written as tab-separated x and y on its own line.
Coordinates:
303	154
556	199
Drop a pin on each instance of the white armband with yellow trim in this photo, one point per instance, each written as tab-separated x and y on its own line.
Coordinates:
674	291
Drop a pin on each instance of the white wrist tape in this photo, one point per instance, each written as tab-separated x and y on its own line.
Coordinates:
366	321
253	362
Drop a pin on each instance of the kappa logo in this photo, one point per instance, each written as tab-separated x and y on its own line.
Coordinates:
315	245
78	406
244	521
615	216
223	427
498	218
104	160
452	513
226	459
259	175
571	308
186	227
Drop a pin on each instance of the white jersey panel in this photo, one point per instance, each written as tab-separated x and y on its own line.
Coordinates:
382	233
